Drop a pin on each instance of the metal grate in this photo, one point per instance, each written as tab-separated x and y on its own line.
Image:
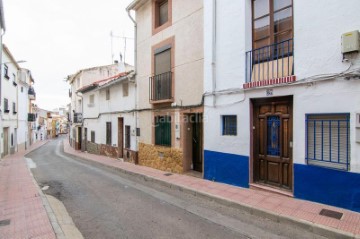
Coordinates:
168	174
5	222
331	213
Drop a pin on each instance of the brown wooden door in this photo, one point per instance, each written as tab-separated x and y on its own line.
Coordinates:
197	142
273	142
121	137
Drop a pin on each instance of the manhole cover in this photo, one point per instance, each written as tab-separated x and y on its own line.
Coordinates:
168	174
331	213
5	222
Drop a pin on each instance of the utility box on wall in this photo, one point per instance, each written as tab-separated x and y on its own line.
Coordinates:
350	42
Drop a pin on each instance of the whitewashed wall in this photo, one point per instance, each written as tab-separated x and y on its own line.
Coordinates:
317	37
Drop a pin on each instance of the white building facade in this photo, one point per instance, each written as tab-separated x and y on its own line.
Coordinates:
109	117
282	98
9	113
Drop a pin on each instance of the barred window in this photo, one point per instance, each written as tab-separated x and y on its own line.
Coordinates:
108	133
229	123
163	130
328	140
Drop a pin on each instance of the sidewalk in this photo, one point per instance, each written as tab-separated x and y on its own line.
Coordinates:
22	213
304	214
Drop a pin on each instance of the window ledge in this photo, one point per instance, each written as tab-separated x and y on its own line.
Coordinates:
161	101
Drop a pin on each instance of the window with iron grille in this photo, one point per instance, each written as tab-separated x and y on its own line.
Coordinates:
163	130
92	136
108	133
6	106
229	125
127	136
328	140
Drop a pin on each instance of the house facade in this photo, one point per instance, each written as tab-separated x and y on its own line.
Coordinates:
78	80
25	82
9	78
282	97
109	117
169	78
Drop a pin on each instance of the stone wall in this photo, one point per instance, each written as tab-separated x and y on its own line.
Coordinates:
162	158
109	151
92	148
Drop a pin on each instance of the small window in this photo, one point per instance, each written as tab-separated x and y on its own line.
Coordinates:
163	12
78	83
22	89
91	99
163	130
229	125
6	106
127	136
125	88
6	72
92	136
328	140
12	140
108	133
108	94
14	108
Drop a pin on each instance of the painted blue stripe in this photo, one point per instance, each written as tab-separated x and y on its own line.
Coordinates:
328	186
226	168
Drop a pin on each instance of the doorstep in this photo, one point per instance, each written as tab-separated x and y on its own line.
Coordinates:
265	188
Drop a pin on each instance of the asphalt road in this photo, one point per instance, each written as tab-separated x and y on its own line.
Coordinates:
105	204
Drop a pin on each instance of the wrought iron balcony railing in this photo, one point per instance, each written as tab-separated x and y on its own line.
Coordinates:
270	62
31	93
160	89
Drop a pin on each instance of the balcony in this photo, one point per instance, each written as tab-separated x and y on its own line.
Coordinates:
78	117
161	88
270	65
31	93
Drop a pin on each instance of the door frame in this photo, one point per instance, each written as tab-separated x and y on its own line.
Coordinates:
253	139
121	137
199	123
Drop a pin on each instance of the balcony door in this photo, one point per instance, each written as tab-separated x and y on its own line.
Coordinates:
162	80
272	22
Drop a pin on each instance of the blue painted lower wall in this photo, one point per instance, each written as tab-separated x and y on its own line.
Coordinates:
226	168
328	186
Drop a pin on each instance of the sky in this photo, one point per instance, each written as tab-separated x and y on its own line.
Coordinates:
57	38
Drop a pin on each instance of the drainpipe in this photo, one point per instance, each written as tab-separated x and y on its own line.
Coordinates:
213	61
135	71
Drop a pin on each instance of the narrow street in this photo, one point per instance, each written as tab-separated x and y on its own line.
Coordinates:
107	205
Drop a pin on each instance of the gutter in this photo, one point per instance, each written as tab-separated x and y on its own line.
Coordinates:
213	60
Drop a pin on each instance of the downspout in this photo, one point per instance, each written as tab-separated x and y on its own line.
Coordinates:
135	71
213	61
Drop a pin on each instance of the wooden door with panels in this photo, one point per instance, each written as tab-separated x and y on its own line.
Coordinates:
272	142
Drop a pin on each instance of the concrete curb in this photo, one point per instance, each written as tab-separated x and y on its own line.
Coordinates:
51	215
312	227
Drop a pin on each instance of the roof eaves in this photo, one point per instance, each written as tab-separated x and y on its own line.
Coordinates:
135	4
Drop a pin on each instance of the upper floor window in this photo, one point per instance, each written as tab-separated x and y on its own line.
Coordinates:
107	94
272	22
78	83
14	108
6	106
125	88
6	72
162	14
